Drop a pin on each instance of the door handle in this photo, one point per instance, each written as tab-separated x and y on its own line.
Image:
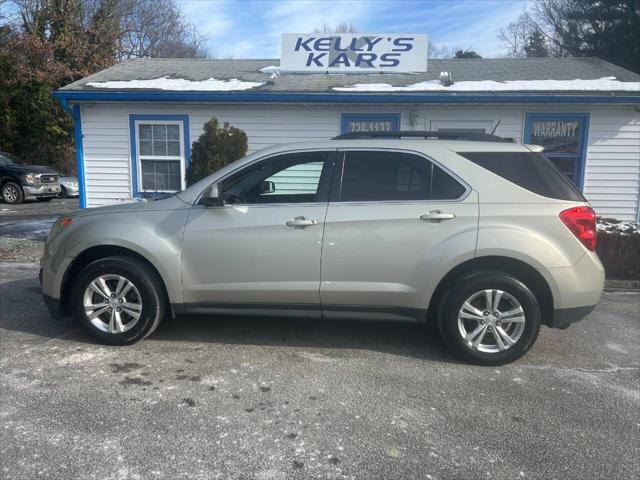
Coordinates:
437	216
301	222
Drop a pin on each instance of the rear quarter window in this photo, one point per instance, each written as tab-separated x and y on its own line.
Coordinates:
529	170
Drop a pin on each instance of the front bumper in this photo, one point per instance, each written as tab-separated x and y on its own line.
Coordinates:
52	275
45	190
52	304
72	190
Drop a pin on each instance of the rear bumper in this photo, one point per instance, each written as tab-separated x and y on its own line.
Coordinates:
563	317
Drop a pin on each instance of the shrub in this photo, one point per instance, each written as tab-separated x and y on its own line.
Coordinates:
619	248
215	148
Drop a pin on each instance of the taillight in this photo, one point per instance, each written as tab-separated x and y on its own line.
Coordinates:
582	223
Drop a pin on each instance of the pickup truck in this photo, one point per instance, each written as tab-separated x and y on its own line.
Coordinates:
19	181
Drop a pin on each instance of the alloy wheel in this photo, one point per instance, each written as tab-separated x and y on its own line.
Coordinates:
112	303
9	193
491	321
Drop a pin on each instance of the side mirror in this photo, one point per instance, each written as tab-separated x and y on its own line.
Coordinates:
212	201
211	197
267	187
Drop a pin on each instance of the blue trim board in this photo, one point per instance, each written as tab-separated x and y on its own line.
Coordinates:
133	147
338	97
74	112
345	118
77	135
581	154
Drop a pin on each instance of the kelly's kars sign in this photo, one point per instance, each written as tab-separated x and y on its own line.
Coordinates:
353	52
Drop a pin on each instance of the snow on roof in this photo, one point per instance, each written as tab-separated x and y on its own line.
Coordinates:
602	84
179	84
270	69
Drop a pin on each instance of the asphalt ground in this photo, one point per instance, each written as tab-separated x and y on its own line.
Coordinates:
271	399
24	227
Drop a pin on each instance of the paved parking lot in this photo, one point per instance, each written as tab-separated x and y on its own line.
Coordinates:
276	399
24	227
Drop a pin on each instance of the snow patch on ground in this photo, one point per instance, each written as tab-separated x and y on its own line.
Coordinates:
601	84
179	84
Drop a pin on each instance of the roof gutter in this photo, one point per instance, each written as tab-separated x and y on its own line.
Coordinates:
65	96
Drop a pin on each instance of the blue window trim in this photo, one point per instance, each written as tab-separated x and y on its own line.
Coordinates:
339	97
345	118
133	118
581	154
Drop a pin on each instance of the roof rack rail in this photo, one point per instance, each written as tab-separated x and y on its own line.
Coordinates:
448	135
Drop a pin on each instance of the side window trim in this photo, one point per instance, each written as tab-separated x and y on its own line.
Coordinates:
324	183
336	190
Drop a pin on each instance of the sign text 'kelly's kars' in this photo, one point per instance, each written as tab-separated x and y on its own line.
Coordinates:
354	52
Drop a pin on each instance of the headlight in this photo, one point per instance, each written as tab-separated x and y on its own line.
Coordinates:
31	178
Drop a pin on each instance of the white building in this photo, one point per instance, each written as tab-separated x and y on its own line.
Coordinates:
135	122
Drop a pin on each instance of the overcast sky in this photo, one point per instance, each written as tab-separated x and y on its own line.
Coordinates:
251	28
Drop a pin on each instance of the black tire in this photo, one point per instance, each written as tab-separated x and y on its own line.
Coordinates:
63	192
45	199
148	285
465	289
12	193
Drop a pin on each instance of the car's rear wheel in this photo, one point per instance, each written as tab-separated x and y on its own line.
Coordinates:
489	319
118	300
12	193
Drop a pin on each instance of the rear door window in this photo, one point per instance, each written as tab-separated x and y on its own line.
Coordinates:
387	176
529	170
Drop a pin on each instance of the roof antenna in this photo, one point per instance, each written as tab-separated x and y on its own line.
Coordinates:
496	127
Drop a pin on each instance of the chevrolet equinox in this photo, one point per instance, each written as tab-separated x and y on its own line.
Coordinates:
485	237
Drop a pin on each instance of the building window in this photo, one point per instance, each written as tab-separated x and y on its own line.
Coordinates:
564	138
369	122
159	153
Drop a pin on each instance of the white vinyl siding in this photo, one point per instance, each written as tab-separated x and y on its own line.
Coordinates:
612	170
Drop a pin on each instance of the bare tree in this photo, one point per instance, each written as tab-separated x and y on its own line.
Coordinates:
155	28
126	28
434	51
342	27
514	37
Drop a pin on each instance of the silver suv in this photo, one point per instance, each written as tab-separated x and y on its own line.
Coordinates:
484	237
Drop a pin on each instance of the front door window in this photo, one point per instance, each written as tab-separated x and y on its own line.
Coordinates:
289	178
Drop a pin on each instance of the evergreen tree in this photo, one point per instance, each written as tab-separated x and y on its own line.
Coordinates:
466	54
47	44
214	149
607	29
536	46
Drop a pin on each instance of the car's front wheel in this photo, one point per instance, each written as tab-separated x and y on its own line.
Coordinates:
63	192
118	300
490	318
12	193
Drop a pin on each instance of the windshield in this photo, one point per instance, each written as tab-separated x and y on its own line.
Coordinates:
6	159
